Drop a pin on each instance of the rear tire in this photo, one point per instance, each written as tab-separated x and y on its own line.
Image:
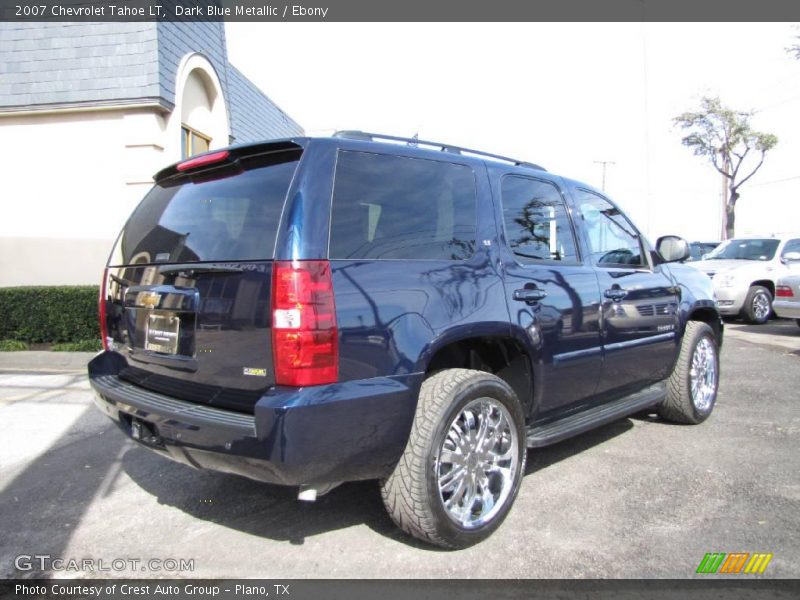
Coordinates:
757	305
694	382
463	463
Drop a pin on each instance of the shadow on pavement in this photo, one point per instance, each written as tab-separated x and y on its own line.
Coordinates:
256	508
273	512
778	327
41	507
541	458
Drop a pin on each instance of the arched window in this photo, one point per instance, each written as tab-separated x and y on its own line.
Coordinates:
201	113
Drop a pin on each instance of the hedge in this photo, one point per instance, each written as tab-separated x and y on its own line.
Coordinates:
49	314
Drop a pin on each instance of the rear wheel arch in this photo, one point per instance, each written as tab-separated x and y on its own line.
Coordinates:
502	356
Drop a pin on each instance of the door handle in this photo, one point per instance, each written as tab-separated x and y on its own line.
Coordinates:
616	294
529	295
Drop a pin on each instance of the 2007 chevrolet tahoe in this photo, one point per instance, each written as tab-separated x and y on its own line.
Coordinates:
310	311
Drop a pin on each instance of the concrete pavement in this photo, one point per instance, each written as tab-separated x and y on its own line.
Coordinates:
637	498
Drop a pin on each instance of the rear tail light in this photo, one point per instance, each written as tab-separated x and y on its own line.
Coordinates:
101	310
783	291
203	160
305	345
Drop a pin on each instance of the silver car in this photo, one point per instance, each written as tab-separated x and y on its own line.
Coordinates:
745	271
787	297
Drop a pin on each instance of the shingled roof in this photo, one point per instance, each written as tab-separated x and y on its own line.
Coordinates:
65	65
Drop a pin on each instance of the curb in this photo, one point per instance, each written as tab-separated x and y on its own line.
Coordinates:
44	361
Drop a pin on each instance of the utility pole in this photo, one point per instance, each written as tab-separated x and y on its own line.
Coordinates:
604	163
726	166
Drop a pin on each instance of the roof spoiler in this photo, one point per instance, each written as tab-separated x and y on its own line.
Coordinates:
224	157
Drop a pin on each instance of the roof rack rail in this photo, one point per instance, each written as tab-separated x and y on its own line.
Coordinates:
373	137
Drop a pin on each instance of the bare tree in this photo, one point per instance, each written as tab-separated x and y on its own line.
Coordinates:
725	137
795	48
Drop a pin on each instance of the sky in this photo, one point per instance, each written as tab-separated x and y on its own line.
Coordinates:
564	96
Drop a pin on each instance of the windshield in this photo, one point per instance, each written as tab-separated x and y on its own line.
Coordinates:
756	249
699	249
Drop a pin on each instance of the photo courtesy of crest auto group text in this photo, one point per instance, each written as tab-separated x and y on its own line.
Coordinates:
307	300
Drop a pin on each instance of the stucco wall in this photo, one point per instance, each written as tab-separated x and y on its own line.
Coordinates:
87	118
52	261
71	188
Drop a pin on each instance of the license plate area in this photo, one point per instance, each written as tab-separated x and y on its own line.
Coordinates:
162	333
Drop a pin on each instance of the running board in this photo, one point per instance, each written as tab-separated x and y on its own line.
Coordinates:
566	427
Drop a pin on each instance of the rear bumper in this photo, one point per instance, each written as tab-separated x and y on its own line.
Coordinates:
787	309
323	434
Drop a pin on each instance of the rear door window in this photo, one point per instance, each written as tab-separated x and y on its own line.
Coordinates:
229	218
394	207
536	221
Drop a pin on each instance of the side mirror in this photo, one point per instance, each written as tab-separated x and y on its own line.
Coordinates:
673	248
790	257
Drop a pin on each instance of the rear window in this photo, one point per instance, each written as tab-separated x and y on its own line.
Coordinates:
223	219
393	207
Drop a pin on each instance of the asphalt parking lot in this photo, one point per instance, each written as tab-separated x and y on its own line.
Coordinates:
637	498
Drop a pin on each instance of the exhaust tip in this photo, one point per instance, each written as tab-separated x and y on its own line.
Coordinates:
307	494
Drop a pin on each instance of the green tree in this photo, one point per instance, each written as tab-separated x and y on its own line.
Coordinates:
725	137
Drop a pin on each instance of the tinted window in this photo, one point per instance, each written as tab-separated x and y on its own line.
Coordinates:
612	238
227	218
396	207
750	249
698	249
536	221
791	246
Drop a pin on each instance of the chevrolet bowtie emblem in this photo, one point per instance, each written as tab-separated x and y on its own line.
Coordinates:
149	299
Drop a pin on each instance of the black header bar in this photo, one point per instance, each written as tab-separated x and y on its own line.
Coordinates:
711	588
400	10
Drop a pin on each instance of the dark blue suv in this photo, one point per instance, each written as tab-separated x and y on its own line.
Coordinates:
312	311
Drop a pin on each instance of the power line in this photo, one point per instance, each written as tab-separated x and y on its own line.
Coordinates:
775	181
776	104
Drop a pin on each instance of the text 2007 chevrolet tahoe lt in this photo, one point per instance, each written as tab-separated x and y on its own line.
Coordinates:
310	311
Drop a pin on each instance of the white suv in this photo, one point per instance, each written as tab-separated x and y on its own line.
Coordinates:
745	271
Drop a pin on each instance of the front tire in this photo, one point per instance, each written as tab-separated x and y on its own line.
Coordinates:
694	382
757	305
463	463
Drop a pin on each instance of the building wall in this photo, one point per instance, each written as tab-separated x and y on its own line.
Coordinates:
83	136
176	40
76	177
251	114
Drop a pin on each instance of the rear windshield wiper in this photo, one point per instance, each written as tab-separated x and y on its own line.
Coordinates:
192	269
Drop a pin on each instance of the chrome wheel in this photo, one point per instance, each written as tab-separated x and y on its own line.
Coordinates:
761	306
477	463
703	374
